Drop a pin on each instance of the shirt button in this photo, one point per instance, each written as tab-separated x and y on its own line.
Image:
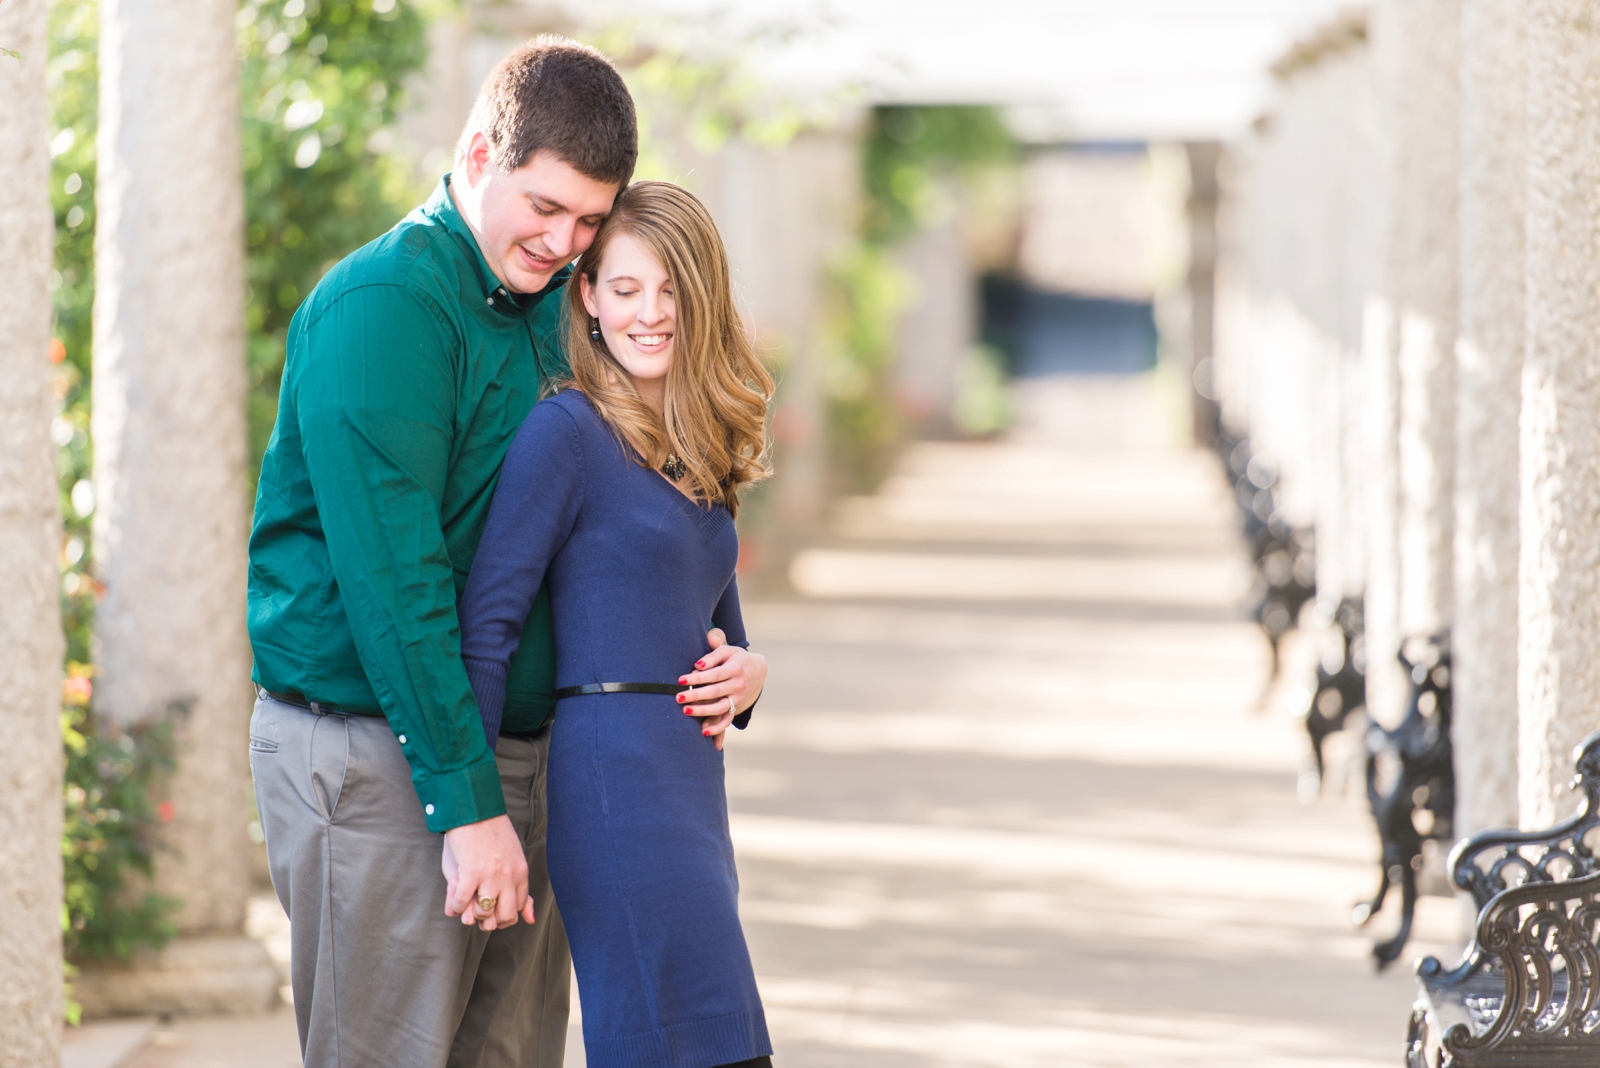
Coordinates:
402	739
428	809
491	300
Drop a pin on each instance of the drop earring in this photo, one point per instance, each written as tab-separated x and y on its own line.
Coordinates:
594	329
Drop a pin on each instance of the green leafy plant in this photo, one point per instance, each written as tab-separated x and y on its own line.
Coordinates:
108	843
323	83
909	150
73	84
915	161
864	298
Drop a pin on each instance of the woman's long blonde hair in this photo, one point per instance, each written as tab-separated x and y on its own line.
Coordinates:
717	391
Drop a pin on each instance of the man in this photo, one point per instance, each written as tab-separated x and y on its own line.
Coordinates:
409	370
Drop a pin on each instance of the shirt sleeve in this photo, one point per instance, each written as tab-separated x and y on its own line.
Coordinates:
376	390
728	618
535	507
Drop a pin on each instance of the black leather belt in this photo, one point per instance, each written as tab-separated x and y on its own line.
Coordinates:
295	697
620	687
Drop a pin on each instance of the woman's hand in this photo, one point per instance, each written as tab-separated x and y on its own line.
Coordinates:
727	671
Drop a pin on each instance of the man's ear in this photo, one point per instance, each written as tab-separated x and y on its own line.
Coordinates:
586	291
476	163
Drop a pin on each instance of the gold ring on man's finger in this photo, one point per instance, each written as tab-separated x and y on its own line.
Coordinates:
486	904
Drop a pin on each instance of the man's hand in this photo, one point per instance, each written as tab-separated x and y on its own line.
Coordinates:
485	859
726	671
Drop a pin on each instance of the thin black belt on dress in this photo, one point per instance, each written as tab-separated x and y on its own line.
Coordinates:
620	687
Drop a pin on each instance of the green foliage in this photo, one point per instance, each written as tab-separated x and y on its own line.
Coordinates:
983	404
703	95
108	844
73	78
909	149
322	86
915	160
865	296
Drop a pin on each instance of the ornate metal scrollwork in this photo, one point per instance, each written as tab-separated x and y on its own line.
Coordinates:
1488	863
1527	990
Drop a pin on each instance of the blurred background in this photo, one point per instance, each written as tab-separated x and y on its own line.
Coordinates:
1044	574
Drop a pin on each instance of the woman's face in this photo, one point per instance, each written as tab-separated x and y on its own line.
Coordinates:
633	300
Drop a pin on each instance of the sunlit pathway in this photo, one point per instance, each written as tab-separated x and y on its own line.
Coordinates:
1008	801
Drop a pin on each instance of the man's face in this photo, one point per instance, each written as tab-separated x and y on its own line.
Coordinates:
532	221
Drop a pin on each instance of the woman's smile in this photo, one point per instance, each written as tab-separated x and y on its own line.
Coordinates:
650	344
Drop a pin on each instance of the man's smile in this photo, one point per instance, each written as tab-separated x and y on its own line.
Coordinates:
534	263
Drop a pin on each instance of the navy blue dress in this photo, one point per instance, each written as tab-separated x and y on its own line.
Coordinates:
640	856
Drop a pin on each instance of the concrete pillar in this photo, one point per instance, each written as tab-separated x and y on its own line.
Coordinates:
1410	337
1559	632
1420	48
31	644
939	325
1204	419
1381	611
169	429
1494	123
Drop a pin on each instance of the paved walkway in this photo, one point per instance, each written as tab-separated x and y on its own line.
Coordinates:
1009	801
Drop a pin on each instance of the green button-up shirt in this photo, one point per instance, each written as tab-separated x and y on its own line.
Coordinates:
409	370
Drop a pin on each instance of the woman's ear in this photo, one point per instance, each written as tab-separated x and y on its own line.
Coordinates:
586	291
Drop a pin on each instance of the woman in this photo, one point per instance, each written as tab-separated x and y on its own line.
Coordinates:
619	493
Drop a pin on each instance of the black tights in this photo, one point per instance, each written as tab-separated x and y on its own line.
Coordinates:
753	1062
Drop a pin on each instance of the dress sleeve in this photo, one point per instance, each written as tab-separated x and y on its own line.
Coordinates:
375	388
727	618
535	507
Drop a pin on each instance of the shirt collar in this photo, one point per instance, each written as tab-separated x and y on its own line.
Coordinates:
442	207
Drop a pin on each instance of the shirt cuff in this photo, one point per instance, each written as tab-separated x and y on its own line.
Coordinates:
468	795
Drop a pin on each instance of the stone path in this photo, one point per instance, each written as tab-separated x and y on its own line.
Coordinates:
1010	802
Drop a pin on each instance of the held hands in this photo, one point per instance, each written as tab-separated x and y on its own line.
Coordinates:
726	671
481	861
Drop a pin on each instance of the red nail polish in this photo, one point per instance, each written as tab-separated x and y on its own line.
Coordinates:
706	733
680	698
682	680
700	664
688	711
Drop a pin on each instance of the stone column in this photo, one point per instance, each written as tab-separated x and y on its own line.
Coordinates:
1203	156
1381	611
169	430
1494	160
1419	46
31	644
1559	672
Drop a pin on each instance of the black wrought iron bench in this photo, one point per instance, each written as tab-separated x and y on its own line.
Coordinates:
1527	990
1411	785
1283	556
1341	681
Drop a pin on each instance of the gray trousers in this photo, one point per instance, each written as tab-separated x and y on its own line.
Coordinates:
382	977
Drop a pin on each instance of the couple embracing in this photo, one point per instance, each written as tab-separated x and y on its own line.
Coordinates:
492	602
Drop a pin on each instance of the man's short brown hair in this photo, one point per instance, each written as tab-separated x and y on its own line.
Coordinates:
556	95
